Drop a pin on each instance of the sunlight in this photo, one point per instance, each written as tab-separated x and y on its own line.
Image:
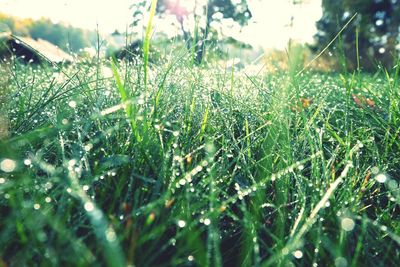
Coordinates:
268	28
183	8
271	23
109	15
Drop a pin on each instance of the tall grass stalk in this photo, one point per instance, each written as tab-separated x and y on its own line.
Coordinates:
146	43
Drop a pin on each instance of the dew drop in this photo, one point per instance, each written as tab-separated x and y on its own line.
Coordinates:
375	170
110	235
380	178
8	165
340	262
181	223
89	206
298	254
392	184
71	162
72	104
347	224
88	147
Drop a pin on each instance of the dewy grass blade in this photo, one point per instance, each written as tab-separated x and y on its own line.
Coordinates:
328	45
120	85
146	43
126	102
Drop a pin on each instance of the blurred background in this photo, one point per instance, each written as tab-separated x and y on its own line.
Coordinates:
248	31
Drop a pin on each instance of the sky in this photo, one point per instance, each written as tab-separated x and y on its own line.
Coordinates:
268	28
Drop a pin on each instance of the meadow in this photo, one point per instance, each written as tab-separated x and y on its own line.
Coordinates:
113	163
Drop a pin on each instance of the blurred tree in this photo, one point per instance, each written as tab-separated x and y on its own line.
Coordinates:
377	22
196	18
17	26
64	36
138	8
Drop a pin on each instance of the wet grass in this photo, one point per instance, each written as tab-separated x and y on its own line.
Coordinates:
199	166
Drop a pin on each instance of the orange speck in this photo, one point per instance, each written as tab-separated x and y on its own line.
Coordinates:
168	203
152	216
370	102
305	102
366	179
359	100
362	101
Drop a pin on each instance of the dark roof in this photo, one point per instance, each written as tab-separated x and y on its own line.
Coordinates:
35	48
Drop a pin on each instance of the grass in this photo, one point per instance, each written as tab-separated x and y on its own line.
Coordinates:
199	166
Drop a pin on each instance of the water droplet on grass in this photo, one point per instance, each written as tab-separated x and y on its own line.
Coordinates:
72	162
8	165
89	207
381	178
392	184
181	223
72	104
340	262
88	147
347	224
374	170
110	235
298	254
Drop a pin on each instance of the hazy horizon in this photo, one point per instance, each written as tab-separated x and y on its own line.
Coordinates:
268	28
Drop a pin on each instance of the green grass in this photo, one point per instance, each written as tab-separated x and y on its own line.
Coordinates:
199	166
